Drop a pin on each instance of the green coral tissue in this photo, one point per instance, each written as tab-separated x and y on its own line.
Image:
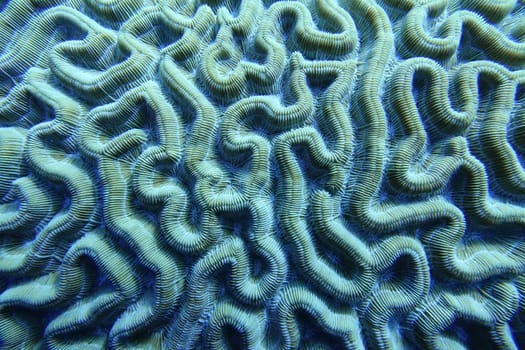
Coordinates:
256	174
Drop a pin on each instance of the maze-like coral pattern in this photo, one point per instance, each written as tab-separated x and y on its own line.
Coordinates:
345	174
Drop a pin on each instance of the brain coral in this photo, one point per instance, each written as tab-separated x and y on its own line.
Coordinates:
339	174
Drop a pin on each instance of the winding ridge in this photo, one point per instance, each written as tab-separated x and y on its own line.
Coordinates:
262	175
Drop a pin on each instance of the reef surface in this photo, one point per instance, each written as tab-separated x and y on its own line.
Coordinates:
259	175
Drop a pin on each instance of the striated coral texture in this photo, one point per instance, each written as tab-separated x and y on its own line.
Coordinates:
338	174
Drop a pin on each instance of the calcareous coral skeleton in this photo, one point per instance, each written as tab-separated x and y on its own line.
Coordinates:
339	174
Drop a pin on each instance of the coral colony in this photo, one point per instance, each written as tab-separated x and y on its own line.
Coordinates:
337	174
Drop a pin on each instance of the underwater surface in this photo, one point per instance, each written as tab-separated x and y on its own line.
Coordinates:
262	175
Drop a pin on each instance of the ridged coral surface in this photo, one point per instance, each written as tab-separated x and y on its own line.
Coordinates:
339	174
